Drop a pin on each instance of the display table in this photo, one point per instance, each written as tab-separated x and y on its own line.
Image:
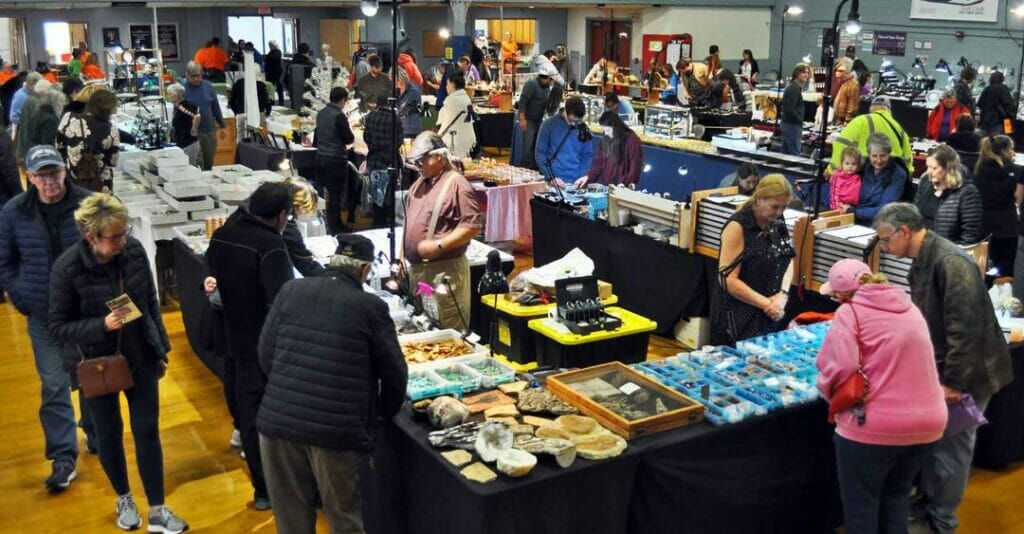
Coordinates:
494	130
557	347
1001	442
507	211
770	474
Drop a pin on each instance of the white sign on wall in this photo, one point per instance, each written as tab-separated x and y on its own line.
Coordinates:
961	10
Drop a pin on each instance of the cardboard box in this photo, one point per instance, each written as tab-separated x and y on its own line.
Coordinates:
694	332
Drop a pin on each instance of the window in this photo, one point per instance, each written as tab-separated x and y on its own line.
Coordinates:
262	30
61	37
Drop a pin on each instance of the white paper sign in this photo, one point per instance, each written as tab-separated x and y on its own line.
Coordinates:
959	10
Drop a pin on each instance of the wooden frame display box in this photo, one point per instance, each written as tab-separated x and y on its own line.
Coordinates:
710	211
627	207
625	401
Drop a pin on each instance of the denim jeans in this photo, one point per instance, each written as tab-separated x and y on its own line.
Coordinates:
144	418
875	482
56	413
792	138
382	197
944	475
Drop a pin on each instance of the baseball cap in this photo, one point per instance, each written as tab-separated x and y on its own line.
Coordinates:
844	276
41	156
881	101
355	246
547	69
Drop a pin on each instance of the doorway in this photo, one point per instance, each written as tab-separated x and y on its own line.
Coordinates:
61	37
610	38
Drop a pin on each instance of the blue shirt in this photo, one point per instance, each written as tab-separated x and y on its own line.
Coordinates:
205	98
669	93
878	189
19	100
575	157
625	108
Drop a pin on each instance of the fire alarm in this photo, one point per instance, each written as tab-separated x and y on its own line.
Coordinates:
959	34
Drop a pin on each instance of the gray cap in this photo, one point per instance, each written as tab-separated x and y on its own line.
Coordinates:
547	69
881	101
427	142
41	156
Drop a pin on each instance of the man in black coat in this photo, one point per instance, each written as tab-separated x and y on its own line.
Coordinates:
326	335
332	137
249	259
275	70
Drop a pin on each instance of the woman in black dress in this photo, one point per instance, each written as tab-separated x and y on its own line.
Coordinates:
755	266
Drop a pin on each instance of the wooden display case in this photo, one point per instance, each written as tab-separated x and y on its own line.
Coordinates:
227	143
647	208
700	246
577	387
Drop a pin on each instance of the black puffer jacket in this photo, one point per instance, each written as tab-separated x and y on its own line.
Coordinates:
333	364
79	291
959	216
996	183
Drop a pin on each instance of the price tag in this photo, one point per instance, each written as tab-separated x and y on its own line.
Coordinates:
629	388
504	334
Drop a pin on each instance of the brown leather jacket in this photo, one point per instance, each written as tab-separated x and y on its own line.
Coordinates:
847	101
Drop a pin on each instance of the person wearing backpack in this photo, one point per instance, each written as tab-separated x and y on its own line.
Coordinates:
879	119
884	180
996	107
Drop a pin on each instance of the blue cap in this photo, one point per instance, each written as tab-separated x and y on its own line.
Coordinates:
41	156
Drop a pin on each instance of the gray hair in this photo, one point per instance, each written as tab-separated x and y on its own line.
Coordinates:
899	214
402	75
177	90
33	78
273	44
52	99
348	264
948	93
193	68
880	141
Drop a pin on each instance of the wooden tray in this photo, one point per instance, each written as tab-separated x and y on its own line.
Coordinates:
690	412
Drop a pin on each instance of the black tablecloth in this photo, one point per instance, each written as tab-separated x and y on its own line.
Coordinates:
654	279
202	326
495	130
772	474
1001	442
260	157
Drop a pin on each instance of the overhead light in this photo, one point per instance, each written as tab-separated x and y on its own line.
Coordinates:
807	59
369	7
853	25
793	10
942	66
444	33
1019	10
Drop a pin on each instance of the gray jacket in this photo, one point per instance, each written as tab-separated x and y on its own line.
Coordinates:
970	349
959	216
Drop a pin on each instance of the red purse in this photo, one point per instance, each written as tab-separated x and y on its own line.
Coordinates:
854	390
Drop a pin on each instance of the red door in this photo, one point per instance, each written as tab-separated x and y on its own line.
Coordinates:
611	39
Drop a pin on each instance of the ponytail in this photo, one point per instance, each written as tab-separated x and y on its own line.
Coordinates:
992	147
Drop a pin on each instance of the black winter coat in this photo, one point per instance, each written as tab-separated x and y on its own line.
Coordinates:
79	291
250	262
26	253
10	180
333	364
274	67
959	216
994	105
996	184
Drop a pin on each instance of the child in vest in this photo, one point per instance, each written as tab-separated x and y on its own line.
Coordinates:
844	186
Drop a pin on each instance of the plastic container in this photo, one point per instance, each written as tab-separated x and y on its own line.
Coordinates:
424	383
467	379
492	372
627	344
436	336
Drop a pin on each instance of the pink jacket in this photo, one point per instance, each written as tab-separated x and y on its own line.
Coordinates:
905	405
844	188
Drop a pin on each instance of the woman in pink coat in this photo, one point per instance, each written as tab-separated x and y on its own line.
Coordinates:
881	445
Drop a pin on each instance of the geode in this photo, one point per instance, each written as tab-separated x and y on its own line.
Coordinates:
540	400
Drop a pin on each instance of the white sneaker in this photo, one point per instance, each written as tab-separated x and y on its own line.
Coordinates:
242	454
236	438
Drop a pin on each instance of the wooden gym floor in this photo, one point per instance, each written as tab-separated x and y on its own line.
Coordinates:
206	481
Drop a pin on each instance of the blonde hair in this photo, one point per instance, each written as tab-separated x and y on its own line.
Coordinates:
770	186
949	160
304	197
97	212
86	93
873	278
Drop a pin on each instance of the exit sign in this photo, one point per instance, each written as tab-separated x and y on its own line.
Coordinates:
263	10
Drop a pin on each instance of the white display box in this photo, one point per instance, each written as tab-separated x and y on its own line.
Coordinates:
162	215
180	173
169	157
231	173
230	192
694	332
186	189
138	208
183	232
269	176
221	211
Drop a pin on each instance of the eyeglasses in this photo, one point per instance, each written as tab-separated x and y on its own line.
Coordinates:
884	240
117	237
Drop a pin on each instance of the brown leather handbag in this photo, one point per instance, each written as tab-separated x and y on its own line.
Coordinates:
104	375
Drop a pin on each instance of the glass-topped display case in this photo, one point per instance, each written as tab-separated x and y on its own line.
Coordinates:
668	122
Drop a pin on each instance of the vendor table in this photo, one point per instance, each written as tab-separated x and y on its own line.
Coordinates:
507	211
1001	442
770	474
494	130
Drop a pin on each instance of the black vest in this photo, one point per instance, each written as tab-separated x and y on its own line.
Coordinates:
328	142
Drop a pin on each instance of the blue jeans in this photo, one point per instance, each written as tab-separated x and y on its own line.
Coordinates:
144	417
792	138
875	482
944	475
56	412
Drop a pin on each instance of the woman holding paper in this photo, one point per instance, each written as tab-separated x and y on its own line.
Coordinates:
103	302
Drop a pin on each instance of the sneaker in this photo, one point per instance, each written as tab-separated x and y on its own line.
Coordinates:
165	521
127	513
242	454
261	503
236	438
91	446
61	477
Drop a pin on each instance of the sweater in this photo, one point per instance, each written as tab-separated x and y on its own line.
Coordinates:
793	104
905	405
623	169
205	98
333	364
452	119
959	215
573	160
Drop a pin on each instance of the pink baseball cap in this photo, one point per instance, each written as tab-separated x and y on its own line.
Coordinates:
844	276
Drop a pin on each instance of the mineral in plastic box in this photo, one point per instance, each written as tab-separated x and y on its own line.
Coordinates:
467	379
492	372
424	383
